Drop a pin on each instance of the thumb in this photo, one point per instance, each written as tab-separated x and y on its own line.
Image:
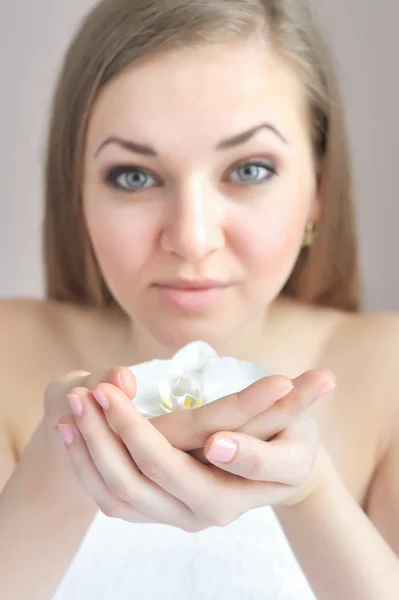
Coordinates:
122	378
55	397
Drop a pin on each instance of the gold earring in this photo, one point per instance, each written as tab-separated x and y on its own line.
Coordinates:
310	235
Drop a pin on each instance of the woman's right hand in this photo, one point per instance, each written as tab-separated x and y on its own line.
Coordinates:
55	397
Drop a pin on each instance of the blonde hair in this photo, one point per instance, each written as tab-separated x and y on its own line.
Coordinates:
116	34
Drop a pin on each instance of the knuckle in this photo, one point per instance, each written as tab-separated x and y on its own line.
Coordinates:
125	427
255	468
123	492
211	518
201	426
109	509
217	516
223	518
193	527
92	441
239	403
151	468
117	490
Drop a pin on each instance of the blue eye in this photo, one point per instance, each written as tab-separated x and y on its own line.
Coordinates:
129	179
254	172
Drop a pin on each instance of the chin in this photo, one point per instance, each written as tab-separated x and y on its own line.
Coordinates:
170	329
173	334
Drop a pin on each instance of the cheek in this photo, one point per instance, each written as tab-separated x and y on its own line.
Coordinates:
122	238
271	240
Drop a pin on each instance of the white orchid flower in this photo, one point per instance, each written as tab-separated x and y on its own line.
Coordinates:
194	376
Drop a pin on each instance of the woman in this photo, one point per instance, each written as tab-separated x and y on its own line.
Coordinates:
198	187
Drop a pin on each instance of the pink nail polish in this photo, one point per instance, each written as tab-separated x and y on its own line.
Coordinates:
75	405
222	450
101	399
66	433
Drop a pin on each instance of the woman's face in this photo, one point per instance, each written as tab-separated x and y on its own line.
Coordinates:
199	181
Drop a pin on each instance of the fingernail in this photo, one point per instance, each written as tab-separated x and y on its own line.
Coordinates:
222	450
75	405
284	393
101	399
66	433
325	389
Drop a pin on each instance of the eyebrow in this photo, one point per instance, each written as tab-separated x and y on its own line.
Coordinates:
232	142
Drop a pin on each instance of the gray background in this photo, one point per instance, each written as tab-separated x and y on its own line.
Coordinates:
33	36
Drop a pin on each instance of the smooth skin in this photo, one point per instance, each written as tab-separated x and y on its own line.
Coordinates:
197	216
105	443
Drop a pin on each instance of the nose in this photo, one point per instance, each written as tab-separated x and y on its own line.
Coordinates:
194	223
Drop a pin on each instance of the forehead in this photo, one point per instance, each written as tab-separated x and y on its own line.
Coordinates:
213	91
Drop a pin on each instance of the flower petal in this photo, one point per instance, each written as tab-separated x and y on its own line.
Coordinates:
193	356
148	375
226	375
195	375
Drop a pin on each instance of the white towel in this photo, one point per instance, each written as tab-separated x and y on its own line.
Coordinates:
248	560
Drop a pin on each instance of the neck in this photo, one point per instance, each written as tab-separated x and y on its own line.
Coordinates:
247	342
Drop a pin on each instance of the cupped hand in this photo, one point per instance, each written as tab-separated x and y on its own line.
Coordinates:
281	415
55	396
140	470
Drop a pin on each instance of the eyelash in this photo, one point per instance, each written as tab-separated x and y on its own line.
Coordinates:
112	176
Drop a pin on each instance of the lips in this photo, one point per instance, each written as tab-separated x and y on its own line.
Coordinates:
198	284
193	295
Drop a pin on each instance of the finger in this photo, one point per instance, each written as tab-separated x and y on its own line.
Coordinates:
288	459
90	479
173	470
55	397
116	466
308	388
121	377
188	430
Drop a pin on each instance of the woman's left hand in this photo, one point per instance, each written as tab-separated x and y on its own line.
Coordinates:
276	452
280	446
291	464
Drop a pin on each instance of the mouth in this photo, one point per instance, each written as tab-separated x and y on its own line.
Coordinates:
195	295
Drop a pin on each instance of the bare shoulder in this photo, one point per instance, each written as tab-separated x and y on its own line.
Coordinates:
42	335
20	322
29	328
23	351
32	343
363	351
39	340
361	348
366	344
